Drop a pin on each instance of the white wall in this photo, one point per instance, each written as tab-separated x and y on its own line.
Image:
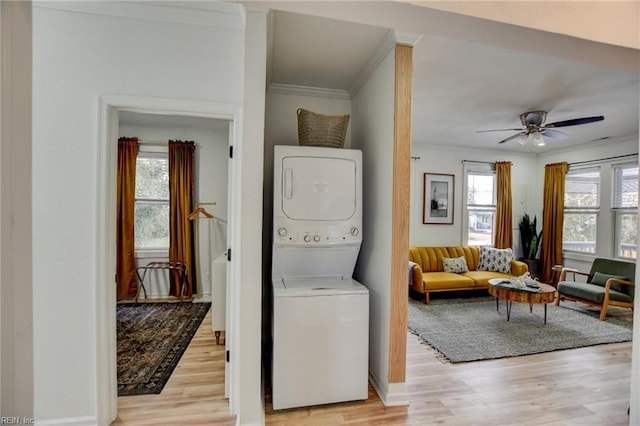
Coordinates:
372	132
212	155
77	58
246	353
527	195
16	292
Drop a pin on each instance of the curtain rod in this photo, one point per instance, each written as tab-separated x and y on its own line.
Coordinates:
602	159
152	142
481	162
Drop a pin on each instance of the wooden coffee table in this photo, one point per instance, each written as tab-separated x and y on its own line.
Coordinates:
546	294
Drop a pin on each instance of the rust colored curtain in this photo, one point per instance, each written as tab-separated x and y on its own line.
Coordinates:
181	194
552	219
504	216
125	218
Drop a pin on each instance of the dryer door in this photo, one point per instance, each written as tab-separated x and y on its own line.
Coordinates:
318	188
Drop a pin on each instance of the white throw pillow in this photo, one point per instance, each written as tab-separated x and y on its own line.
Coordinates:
455	265
495	260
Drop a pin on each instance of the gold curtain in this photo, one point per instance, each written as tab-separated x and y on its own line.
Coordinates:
504	217
552	219
125	218
181	194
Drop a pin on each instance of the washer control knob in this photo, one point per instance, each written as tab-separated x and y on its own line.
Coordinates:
354	231
282	232
307	238
316	238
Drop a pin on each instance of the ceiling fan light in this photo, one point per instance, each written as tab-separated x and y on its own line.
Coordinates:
538	139
522	140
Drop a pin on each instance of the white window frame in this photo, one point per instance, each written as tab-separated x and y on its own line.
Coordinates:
477	169
585	210
619	208
152	152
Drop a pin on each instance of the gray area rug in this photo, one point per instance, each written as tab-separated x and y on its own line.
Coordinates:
471	329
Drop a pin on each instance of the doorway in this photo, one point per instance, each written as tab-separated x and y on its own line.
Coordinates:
211	138
148	344
149	109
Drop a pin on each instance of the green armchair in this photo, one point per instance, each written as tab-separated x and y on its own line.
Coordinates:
610	282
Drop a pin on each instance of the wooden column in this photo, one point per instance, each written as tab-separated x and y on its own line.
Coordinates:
400	213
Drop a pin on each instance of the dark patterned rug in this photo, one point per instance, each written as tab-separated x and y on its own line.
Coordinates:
151	340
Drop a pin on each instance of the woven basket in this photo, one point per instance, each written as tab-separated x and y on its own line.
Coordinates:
321	130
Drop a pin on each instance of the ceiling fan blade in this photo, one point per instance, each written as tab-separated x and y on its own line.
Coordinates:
575	121
499	130
551	133
510	138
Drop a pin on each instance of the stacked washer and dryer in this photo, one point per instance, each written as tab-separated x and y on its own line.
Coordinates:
320	324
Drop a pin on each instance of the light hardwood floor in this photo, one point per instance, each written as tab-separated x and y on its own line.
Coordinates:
586	386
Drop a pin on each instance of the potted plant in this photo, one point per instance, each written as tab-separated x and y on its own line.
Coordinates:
530	240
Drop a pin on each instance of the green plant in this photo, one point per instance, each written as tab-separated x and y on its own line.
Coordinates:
529	237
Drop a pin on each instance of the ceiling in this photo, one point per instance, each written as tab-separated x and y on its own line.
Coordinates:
462	85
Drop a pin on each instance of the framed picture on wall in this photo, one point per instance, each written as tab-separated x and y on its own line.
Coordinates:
437	200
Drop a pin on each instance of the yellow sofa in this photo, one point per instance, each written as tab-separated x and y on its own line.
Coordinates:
428	274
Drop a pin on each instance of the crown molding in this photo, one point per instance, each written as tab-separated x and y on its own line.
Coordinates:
290	89
214	14
390	40
384	47
407	39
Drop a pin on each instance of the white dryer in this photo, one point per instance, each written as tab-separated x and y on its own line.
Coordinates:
320	326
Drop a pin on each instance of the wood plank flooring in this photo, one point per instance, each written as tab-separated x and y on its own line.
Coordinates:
586	386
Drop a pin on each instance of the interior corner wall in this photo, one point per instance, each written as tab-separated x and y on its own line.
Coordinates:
78	57
527	194
372	122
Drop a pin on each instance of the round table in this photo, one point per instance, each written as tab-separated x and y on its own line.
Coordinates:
499	288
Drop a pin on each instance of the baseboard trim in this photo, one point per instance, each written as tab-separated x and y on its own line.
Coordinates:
70	421
391	395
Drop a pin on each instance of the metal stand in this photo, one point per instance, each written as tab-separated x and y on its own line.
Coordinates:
171	266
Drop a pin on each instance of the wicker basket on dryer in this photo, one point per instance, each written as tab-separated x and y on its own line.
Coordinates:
316	129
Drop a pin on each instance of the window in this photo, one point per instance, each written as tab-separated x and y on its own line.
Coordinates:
581	208
152	201
481	207
625	210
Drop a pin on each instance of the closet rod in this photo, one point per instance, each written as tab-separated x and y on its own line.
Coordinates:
602	159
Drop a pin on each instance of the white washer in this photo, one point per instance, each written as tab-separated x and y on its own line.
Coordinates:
320	326
320	342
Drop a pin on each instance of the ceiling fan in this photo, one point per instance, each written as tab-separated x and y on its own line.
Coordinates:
534	128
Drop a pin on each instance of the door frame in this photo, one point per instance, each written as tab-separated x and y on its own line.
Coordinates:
106	169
